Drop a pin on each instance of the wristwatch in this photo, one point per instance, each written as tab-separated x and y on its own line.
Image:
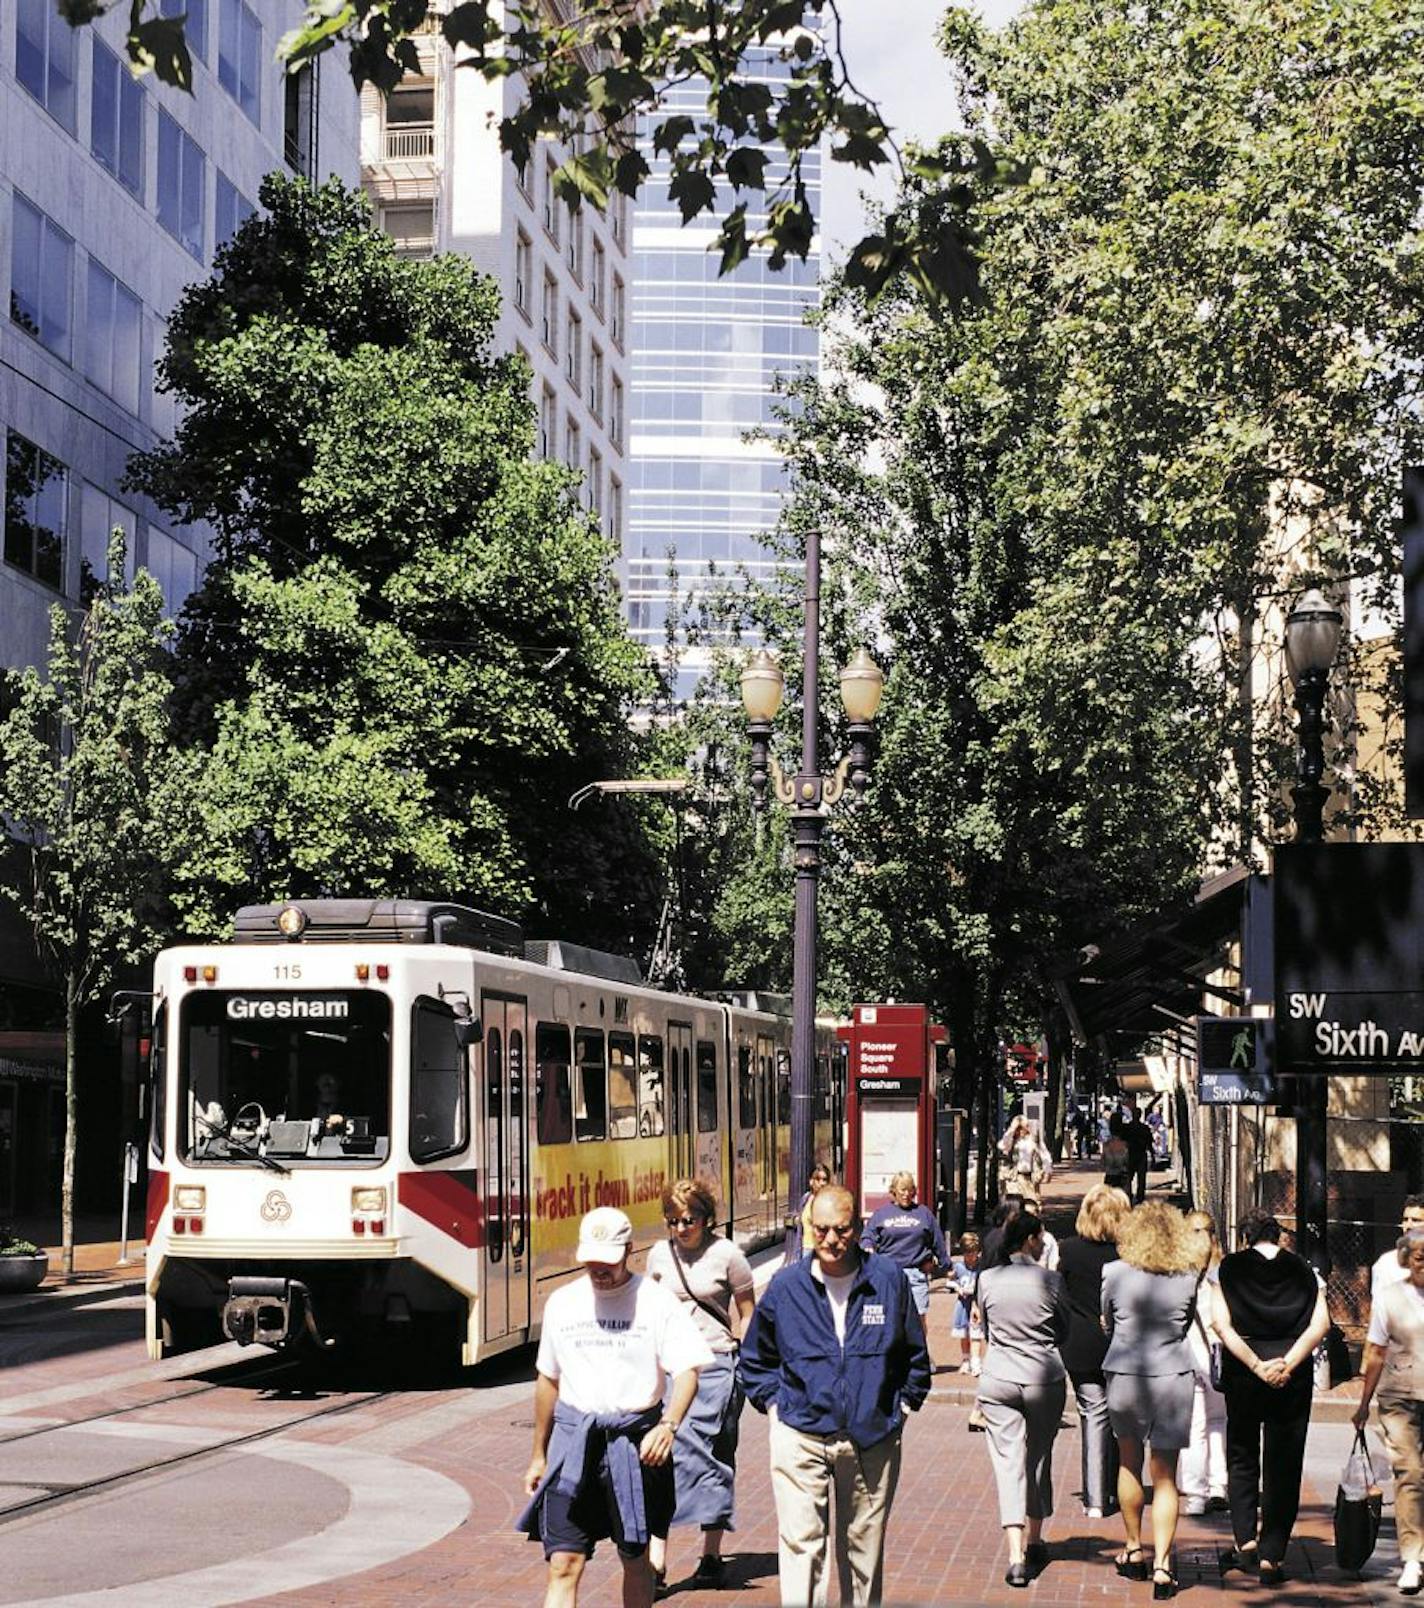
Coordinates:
671	1423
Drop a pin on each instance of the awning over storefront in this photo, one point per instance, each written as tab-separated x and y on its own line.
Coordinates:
1153	979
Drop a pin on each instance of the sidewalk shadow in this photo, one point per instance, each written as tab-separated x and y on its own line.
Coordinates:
745	1570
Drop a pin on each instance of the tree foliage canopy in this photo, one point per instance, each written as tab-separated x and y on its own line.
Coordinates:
409	652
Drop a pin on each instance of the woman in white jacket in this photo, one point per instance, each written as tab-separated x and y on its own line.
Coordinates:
1201	1472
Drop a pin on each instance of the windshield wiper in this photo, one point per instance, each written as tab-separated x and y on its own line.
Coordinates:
240	1146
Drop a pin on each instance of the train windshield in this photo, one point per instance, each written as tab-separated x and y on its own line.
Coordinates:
269	1078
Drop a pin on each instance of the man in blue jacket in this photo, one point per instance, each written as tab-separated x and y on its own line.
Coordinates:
835	1353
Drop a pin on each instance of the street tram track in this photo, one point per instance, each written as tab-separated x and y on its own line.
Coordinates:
202	1389
52	1498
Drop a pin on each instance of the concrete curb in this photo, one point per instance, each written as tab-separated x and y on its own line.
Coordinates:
70	1295
1323	1410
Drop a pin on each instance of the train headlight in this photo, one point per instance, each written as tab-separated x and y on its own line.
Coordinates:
292	921
368	1202
190	1198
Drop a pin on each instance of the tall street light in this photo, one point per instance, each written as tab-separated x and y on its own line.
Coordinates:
1312	641
810	796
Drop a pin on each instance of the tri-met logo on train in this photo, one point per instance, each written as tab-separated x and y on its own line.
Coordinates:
240	1009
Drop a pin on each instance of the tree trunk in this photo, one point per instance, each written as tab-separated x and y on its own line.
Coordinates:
71	1116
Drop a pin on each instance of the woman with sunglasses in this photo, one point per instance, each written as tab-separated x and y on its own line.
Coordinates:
714	1279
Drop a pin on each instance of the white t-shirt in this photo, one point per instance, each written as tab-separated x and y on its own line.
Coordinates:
1378	1334
613	1352
1387	1270
838	1289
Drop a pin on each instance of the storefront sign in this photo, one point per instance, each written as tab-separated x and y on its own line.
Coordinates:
1349	942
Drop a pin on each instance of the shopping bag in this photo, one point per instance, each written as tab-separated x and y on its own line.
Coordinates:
1358	1507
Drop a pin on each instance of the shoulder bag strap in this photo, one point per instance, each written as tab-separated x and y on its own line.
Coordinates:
697	1299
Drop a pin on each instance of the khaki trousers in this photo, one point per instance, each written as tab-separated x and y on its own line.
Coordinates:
805	1471
1402	1424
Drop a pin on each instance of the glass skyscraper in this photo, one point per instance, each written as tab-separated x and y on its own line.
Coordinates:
706	351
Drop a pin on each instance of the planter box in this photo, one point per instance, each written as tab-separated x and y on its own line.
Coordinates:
20	1273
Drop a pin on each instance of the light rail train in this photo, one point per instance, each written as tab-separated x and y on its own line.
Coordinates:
344	1136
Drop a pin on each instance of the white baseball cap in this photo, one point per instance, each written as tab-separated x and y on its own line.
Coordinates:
604	1235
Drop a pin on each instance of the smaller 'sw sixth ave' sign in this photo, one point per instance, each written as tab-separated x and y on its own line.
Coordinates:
1234	1061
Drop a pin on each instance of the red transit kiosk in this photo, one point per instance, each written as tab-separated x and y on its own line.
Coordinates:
890	1101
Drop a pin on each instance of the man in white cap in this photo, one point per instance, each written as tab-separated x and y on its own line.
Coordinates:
603	1442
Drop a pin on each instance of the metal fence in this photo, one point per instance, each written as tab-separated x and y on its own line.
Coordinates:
1243	1157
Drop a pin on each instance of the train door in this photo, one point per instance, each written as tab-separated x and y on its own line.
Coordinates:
683	1125
766	1135
505	1152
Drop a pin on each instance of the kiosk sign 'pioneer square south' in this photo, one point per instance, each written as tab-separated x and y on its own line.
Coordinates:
1349	961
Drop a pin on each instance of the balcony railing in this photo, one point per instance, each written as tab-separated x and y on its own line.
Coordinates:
405	143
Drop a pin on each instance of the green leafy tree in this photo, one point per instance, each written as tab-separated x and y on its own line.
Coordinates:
408	652
83	755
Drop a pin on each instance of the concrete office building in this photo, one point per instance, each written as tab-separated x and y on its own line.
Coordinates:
114	194
432	165
706	351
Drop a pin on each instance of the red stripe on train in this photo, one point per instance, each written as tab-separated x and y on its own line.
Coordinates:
448	1200
157	1199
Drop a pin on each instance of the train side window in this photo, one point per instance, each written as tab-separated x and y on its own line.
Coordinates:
494	1145
553	1098
622	1087
158	1082
439	1113
518	1179
706	1087
746	1088
590	1085
822	1106
783	1087
651	1123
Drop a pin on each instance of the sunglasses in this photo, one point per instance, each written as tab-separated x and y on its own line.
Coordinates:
840	1230
682	1222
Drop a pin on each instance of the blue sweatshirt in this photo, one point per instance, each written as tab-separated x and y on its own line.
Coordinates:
790	1354
906	1235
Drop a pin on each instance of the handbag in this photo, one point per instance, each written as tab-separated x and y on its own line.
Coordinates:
1359	1504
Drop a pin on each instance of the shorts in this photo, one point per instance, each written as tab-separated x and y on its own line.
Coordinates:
919	1289
1152	1407
576	1524
963	1324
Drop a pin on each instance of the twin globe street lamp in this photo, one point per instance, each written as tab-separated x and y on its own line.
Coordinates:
1312	640
810	796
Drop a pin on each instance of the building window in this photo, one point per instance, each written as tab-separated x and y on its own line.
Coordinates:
182	180
173	567
231	209
412	227
548	422
593	483
595	380
410	121
573	443
597	270
551	200
195	28
573	248
615	508
299	121
46	58
549	314
240	56
41	260
523	177
618	312
98	515
618	218
523	272
116	121
112	320
573	351
36	507
615	411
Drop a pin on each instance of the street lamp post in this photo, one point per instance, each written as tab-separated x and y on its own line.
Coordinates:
1312	640
810	796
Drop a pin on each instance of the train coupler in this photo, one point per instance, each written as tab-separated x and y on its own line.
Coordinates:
271	1312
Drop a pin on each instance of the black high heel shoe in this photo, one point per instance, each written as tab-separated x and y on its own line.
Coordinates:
1130	1564
1164	1584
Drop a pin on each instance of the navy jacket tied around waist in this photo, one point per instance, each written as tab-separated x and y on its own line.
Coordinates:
792	1359
578	1447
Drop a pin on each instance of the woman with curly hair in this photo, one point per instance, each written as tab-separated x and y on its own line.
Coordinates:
1149	1299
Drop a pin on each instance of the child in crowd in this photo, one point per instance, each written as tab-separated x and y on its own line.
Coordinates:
963	1274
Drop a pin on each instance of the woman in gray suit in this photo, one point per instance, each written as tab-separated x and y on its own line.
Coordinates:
1021	1391
1149	1299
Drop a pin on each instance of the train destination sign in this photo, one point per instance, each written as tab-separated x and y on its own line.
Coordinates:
1349	956
1234	1061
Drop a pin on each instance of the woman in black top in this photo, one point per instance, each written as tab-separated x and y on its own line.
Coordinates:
1081	1260
1269	1309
